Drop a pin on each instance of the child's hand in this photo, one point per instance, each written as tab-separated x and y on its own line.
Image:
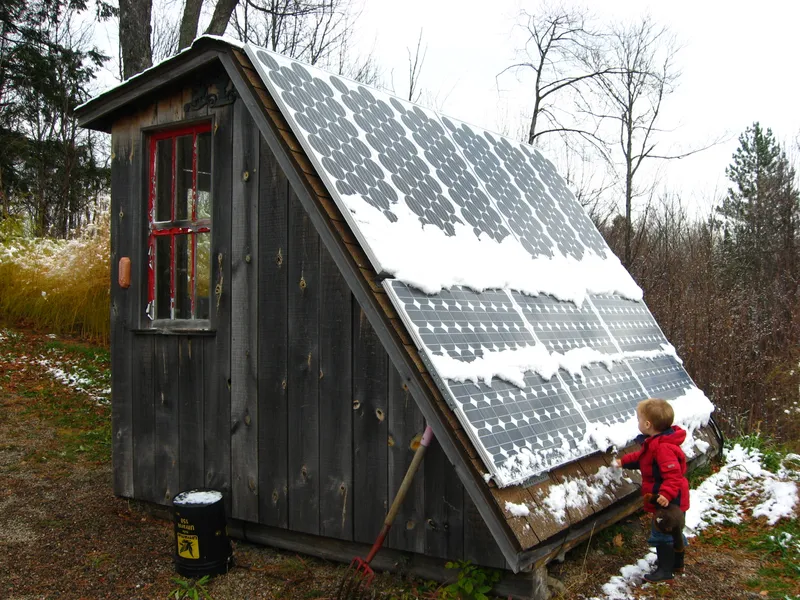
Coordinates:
662	501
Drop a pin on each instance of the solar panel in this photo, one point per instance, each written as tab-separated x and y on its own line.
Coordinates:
606	395
461	323
563	326
539	421
629	322
395	169
662	377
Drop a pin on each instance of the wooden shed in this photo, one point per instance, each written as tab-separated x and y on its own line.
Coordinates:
255	349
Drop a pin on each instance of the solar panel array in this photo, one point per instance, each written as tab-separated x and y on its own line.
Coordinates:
375	151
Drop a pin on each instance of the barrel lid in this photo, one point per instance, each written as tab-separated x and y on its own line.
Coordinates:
197	497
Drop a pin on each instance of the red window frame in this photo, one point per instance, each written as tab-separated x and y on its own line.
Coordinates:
169	228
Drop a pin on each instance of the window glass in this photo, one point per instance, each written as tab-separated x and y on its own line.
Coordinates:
184	167
202	276
164	180
183	277
163	277
204	175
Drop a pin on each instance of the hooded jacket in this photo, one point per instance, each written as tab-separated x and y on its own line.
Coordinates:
663	467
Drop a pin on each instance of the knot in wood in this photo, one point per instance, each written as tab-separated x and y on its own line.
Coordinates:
275	497
303	284
410	524
356	404
279	258
247	419
379	414
246	176
431	523
304	472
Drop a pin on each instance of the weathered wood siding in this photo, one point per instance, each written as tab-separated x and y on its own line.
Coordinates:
290	406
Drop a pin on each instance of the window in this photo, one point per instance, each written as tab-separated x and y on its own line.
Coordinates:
179	236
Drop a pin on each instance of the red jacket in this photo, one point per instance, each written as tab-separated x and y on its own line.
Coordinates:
663	467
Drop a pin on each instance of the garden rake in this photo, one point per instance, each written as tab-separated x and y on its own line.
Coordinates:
356	582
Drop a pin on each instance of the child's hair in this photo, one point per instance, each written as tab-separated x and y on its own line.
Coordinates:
659	412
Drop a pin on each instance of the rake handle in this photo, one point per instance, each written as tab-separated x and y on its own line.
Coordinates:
419	454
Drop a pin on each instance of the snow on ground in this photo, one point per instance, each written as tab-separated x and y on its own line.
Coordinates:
722	498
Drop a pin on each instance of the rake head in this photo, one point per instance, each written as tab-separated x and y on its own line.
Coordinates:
356	582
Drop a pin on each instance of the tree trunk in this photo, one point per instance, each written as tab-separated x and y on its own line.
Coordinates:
134	36
191	15
222	14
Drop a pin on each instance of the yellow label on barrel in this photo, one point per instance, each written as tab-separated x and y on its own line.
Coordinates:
188	546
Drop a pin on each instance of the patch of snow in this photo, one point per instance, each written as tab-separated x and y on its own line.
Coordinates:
578	493
518	510
197	497
780	501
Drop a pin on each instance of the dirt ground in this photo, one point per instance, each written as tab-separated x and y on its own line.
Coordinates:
64	535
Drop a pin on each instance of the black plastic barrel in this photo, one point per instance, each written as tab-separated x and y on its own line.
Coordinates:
202	546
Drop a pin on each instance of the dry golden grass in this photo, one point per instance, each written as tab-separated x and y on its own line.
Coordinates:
57	285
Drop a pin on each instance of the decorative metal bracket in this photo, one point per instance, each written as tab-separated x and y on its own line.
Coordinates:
220	91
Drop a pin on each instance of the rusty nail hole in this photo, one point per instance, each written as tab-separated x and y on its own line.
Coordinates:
283	384
379	414
246	175
405	387
304	472
431	523
356	404
391	441
247	420
247	258
302	283
410	524
275	497
251	484
342	488
279	258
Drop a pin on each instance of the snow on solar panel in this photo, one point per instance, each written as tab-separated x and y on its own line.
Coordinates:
662	376
490	261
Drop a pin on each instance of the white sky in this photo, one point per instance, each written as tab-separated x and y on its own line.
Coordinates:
737	64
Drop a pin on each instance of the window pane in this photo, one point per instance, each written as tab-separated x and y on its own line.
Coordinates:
183	277
204	175
162	277
203	275
164	180
183	182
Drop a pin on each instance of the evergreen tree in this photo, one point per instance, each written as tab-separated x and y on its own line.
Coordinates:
48	169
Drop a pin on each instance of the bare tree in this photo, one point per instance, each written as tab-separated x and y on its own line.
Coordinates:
415	69
637	72
135	32
559	39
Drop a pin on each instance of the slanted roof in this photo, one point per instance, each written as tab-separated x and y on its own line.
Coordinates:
524	341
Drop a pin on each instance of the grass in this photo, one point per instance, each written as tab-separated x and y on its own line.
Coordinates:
59	286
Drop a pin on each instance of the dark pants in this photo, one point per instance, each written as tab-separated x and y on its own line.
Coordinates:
668	527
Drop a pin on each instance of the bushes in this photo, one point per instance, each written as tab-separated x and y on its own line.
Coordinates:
57	285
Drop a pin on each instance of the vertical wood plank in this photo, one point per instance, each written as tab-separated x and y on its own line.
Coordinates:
190	369
272	341
244	316
406	426
370	429
303	370
335	402
123	195
444	499
142	391
167	417
218	401
480	548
